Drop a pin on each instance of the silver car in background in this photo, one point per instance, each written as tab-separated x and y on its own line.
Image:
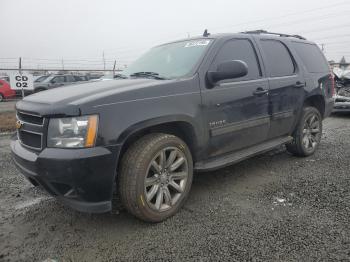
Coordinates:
53	81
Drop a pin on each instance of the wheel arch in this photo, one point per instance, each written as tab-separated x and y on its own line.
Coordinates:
316	101
179	126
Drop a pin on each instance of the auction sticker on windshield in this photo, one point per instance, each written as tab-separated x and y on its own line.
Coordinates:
197	43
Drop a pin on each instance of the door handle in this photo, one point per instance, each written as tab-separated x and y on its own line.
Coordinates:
260	91
299	84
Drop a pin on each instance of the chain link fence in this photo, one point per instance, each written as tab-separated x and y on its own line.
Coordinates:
79	74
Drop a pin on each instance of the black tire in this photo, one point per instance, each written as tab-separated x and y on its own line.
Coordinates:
135	168
306	139
2	98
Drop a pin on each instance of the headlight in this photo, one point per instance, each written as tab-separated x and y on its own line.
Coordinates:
72	132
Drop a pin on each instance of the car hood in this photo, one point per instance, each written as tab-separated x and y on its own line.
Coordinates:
66	100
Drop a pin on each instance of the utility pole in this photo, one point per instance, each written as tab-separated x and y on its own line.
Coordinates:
20	72
323	47
104	60
115	63
20	65
62	62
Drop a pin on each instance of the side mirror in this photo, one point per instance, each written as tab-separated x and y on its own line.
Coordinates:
52	81
227	70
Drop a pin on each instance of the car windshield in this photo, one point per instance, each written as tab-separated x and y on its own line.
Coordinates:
47	79
168	61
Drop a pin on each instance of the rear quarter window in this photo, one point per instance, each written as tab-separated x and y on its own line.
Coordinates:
312	57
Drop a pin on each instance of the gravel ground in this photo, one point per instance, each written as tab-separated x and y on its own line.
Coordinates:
8	106
271	207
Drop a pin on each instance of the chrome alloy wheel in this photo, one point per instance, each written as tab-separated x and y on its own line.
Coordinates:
311	132
166	179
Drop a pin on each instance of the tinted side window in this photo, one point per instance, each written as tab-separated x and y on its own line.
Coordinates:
78	78
312	57
239	49
58	79
70	79
278	59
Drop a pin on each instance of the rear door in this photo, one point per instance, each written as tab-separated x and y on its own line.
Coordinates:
286	82
236	110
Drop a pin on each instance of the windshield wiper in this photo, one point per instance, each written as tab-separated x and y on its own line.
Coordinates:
148	74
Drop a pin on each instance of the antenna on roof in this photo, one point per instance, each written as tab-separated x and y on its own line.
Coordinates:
206	34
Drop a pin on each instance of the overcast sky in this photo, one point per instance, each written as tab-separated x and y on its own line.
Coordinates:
79	31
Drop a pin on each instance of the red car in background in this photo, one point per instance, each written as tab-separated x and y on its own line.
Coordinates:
5	91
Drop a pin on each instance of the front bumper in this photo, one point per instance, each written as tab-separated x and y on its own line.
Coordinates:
329	103
342	104
82	179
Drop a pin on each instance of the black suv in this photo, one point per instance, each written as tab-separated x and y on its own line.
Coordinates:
192	105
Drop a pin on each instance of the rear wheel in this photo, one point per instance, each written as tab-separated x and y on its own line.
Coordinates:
155	177
307	135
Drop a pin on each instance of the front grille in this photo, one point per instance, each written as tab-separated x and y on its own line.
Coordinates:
29	118
30	139
31	131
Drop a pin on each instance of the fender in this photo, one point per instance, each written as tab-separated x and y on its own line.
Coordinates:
157	121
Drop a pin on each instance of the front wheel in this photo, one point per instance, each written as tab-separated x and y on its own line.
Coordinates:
2	98
155	177
307	135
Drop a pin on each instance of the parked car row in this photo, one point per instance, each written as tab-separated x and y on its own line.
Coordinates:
53	81
44	82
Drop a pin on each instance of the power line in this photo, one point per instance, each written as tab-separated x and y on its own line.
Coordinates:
314	19
325	29
331	37
191	31
127	56
337	43
283	16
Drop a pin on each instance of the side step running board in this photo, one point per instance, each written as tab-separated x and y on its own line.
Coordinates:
238	156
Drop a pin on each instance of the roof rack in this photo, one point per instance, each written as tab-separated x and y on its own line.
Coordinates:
270	33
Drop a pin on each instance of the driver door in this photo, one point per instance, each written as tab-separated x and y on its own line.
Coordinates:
236	110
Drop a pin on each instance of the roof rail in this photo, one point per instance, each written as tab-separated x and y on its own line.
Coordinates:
270	33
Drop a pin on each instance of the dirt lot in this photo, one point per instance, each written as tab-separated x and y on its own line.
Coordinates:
272	207
7	116
7	121
8	106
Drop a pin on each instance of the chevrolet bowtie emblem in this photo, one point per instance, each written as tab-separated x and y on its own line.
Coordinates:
18	124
